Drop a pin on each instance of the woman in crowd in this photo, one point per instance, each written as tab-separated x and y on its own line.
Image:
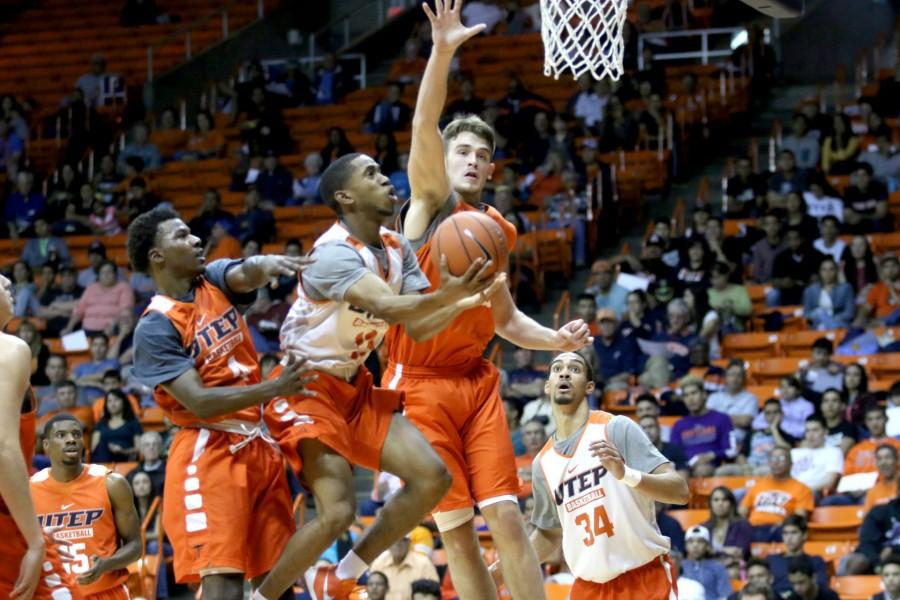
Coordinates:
117	436
730	535
102	303
829	303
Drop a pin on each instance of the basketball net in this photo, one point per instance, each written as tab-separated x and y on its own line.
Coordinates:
583	36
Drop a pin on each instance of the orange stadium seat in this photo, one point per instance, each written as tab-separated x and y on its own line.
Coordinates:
799	343
835	523
764	392
750	345
687	518
702	487
770	371
856	587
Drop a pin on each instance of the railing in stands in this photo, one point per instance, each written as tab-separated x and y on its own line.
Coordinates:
186	32
147	570
705	53
563	309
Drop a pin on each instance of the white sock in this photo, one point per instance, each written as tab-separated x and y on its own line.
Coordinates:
257	595
351	567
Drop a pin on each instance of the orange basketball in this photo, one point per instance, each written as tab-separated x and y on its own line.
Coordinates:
468	235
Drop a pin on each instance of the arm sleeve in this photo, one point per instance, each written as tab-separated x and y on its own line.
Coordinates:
414	280
724	439
544	514
723	582
749	405
836	461
158	354
634	445
215	273
337	267
742	304
871	536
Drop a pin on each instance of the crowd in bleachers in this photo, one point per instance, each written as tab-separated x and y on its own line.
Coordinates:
754	344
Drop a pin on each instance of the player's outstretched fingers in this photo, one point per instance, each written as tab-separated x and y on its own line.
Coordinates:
475	270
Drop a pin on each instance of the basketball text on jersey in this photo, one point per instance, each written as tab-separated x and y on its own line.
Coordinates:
75	524
218	337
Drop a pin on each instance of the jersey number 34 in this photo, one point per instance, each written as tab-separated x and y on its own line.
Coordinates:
594	528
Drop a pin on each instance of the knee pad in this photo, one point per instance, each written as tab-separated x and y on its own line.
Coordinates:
451	519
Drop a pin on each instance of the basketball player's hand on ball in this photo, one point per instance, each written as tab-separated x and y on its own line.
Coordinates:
293	377
473	287
609	458
573	335
447	31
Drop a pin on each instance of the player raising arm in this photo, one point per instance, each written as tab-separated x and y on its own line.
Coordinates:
595	486
452	393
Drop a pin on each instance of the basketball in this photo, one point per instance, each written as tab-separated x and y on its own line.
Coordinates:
466	236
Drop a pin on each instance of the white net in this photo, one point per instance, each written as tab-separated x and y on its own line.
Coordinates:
583	36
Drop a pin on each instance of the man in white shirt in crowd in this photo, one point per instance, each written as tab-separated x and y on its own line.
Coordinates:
735	401
816	465
829	243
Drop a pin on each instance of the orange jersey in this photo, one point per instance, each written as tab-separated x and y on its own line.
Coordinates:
770	501
83	511
27	435
881	493
861	458
218	341
466	338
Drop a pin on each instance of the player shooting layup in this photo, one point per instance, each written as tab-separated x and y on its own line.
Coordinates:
451	391
364	277
227	504
28	566
93	509
595	483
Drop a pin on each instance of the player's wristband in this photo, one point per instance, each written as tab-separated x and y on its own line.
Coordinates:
632	477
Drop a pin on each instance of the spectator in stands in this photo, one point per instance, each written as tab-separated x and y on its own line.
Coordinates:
389	114
586	310
11	145
118	434
829	244
91	83
106	180
773	498
794	407
681	334
168	136
263	129
485	12
221	244
840	148
44	248
205	141
96	257
138	199
861	458
652	125
860	270
589	103
885	162
57	372
426	589
866	203
410	67
821	205
797	216
704	434
856	393
377	586
331	81
255	220
103	220
883	297
534	436
210	213
619	130
650	425
745	193
24	291
23	206
802	143
306	189
786	179
40	353
274	182
753	458
758	585
822	373
63	191
816	465
693	269
536	143
885	488
402	567
802	576
730	300
386	152
620	357
607	292
140	147
67	402
879	538
89	375
338	145
468	104
101	304
792	269
526	382
730	534
735	401
151	461
728	250
763	252
841	434
794	534
829	303
58	303
890	578
637	323
701	567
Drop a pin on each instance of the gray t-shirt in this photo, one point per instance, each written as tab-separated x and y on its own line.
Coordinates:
339	265
629	439
159	355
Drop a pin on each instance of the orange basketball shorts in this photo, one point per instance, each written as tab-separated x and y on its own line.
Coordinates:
461	415
54	584
652	581
225	512
119	592
351	418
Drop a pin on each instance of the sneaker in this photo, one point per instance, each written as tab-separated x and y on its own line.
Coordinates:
322	583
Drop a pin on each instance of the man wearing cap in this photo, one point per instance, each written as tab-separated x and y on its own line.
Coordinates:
402	568
607	292
96	256
619	355
701	567
595	487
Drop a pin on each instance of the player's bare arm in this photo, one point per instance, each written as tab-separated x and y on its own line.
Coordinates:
128	526
663	484
428	180
518	328
209	401
424	315
15	365
256	271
